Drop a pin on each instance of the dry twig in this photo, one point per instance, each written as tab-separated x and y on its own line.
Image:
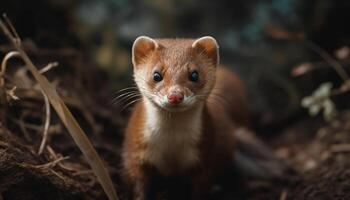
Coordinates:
55	156
47	123
57	174
7	57
11	94
333	62
53	163
48	67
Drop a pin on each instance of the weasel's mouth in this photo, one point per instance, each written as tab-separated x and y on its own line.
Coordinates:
163	104
172	107
175	107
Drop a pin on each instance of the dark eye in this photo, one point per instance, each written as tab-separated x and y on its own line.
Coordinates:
194	76
157	77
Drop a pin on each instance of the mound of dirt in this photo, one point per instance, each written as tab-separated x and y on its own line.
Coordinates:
25	175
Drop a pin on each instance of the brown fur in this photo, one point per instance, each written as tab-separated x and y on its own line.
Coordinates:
224	109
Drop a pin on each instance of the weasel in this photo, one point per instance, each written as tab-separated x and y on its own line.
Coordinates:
181	133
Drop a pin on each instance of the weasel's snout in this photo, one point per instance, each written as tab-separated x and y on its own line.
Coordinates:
175	97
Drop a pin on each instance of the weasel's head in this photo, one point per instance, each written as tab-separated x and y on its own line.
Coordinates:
175	74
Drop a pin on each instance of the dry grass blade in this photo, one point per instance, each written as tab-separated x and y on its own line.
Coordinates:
47	123
48	67
4	64
53	163
11	93
66	116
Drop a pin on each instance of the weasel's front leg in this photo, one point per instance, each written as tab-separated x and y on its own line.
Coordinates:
144	191
147	186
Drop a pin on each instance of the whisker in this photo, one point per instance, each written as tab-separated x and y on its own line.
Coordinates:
126	99
130	97
126	89
125	94
130	103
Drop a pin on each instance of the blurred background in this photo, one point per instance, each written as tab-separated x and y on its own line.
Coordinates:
262	40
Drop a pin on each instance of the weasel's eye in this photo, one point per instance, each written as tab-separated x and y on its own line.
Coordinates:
157	77
194	76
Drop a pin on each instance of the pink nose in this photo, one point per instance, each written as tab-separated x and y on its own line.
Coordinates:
175	97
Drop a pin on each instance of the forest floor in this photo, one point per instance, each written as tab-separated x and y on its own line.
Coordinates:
318	153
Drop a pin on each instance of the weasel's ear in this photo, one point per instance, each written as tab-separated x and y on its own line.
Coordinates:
208	46
143	47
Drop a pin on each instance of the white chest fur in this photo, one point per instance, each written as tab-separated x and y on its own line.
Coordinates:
171	139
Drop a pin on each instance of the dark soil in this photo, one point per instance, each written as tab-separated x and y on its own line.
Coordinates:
319	152
22	176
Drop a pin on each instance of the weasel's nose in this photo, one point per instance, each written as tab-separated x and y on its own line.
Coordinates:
175	97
